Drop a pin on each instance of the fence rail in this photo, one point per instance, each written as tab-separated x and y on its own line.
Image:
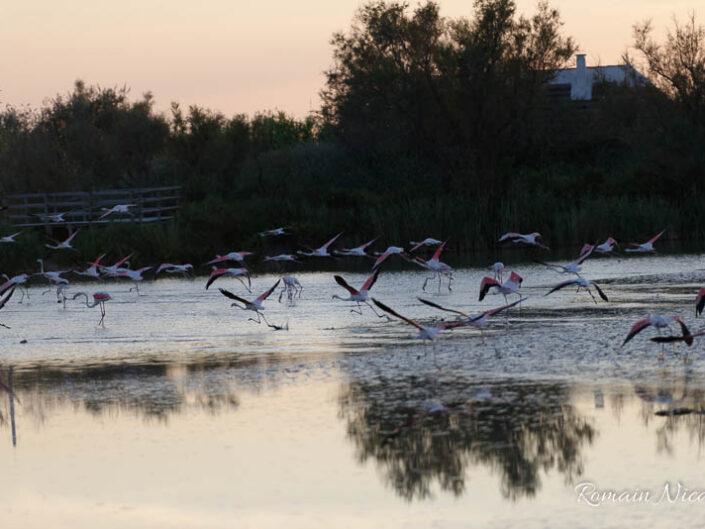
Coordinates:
81	208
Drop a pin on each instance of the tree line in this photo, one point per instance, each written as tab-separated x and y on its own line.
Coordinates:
428	126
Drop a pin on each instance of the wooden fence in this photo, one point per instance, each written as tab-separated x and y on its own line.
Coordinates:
151	204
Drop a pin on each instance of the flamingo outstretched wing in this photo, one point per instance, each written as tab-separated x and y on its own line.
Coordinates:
230	295
369	283
393	313
655	237
636	329
486	284
344	284
326	245
438	251
700	302
439	307
4	300
599	291
497	310
266	294
561	285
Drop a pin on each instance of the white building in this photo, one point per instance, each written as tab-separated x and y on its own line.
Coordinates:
581	79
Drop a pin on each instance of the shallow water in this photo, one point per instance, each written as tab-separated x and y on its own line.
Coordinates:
181	413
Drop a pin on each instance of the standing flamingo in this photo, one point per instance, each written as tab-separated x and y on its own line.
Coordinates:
497	269
647	247
255	306
359	296
321	251
292	287
53	276
99	298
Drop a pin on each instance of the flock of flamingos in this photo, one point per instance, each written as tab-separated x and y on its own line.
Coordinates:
233	265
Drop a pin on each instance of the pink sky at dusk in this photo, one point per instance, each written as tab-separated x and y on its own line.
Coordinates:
238	56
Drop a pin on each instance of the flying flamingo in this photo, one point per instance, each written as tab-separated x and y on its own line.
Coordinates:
232	272
10	238
120	208
647	247
134	275
438	268
255	306
477	320
232	256
91	271
274	233
580	282
700	302
659	321
574	267
607	247
4	301
359	296
99	298
18	280
171	268
63	245
425	333
391	250
292	287
60	295
322	251
429	241
112	270
53	276
282	257
510	286
51	217
529	239
358	251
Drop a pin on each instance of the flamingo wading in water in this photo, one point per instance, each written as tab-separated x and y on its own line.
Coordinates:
99	299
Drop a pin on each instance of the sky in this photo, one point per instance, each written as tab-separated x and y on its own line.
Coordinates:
239	56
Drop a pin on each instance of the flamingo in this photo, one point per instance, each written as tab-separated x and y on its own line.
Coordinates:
606	247
60	296
580	282
171	268
92	271
425	333
274	233
659	321
18	280
574	266
529	239
497	269
53	276
477	320
438	268
112	270
428	241
233	272
232	256
51	217
63	245
282	257
647	247
322	251
255	306
10	238
134	275
510	286
359	296
358	251
99	298
292	287
700	302
4	301
119	208
391	250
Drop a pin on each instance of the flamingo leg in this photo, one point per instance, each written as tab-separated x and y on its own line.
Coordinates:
102	314
359	309
593	297
244	285
281	293
373	310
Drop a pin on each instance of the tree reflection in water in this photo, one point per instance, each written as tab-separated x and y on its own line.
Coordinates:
422	431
